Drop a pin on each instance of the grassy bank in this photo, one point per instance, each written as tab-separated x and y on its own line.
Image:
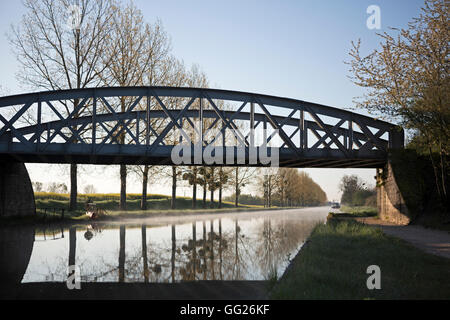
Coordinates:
50	206
110	203
360	211
333	265
347	212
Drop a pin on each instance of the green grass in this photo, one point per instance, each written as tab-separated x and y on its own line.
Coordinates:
97	196
356	212
333	265
49	206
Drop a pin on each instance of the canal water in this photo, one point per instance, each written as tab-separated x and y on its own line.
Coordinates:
240	246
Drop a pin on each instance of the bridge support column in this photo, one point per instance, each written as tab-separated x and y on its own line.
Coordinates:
390	202
16	192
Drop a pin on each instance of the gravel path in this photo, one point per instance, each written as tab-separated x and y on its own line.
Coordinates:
432	241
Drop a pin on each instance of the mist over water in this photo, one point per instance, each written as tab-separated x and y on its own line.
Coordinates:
237	246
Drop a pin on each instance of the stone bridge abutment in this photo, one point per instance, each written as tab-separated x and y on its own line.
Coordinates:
390	201
16	191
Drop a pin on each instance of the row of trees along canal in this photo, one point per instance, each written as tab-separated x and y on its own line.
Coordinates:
111	45
269	187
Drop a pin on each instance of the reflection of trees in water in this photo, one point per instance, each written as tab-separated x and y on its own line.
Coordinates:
212	254
201	259
45	233
93	271
234	263
217	254
53	270
277	240
152	261
141	265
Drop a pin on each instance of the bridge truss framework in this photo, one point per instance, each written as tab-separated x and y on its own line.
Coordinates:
135	125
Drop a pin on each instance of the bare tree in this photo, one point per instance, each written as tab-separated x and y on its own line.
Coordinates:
196	176
147	175
57	187
223	180
128	59
55	56
242	176
289	187
89	189
37	186
266	184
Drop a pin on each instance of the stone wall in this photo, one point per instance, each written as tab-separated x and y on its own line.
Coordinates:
391	204
16	191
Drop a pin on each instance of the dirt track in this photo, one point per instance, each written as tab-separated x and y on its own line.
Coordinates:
432	241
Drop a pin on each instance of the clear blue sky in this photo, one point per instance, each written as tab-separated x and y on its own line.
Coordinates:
285	48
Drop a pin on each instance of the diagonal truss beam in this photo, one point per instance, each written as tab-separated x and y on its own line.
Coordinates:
275	125
228	123
325	136
327	131
173	122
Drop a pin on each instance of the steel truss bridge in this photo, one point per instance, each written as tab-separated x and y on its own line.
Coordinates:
136	125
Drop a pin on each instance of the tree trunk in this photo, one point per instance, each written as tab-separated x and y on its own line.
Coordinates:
194	252
204	248
436	175
212	187
220	249
174	247
73	187
220	196
194	195
123	187
443	173
236	190
269	196
123	167
72	245
122	254
174	187
73	166
194	189
204	196
220	186
144	188
144	252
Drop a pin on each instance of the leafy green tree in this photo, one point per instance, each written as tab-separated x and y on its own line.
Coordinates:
296	188
350	185
408	79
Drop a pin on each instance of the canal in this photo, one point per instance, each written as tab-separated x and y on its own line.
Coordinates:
251	246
